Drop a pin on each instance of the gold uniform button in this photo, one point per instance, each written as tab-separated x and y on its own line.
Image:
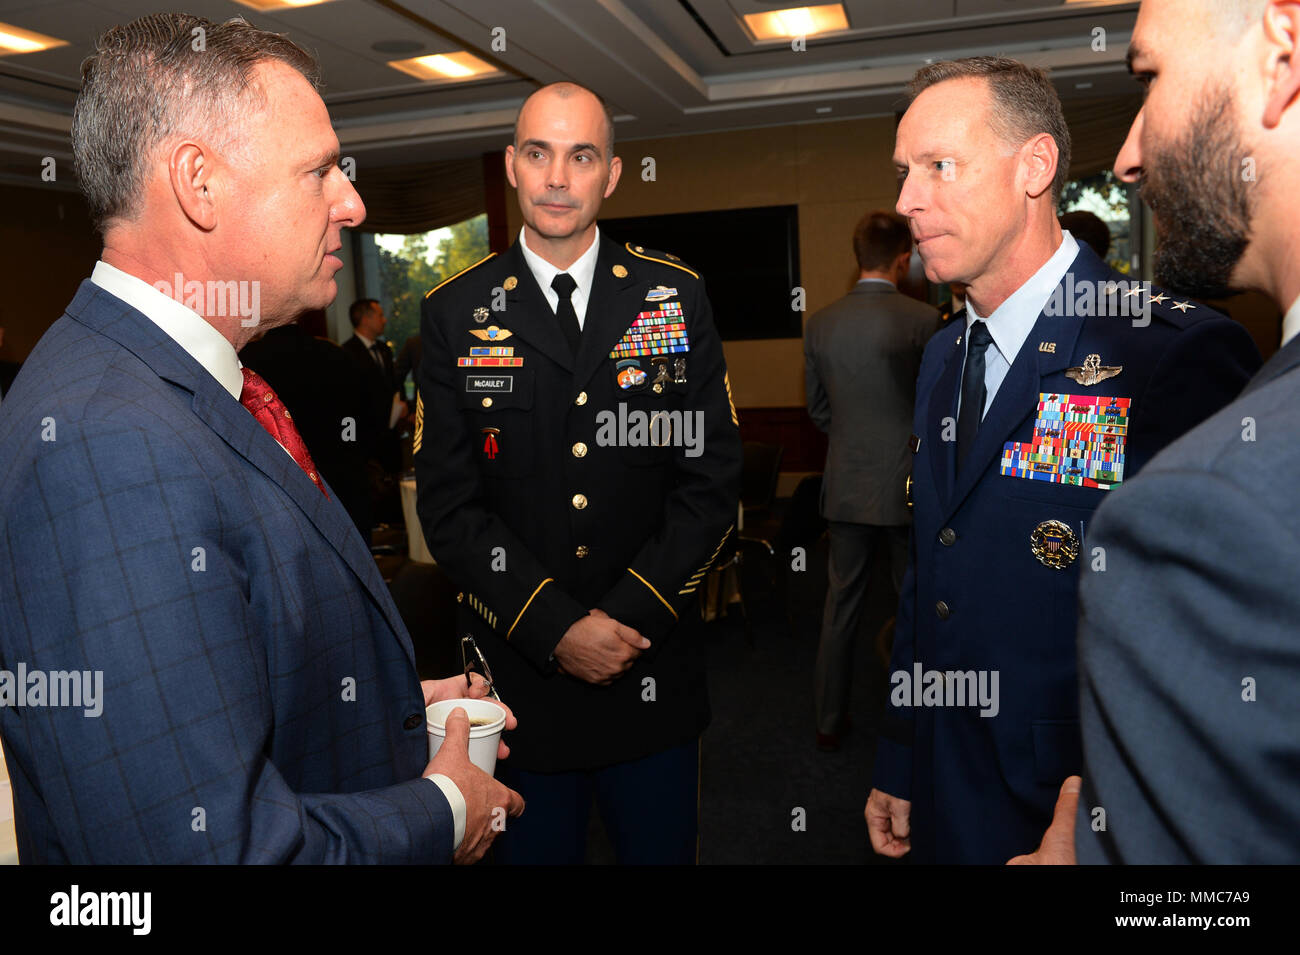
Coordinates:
579	501
579	450
583	551
581	399
460	597
487	402
658	388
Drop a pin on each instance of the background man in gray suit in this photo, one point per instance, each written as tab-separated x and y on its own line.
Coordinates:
1189	638
861	356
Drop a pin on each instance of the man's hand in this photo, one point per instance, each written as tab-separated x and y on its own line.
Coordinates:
599	649
485	798
454	688
1057	847
889	824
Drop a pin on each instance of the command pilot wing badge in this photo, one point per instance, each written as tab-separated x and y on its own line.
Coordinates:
1093	371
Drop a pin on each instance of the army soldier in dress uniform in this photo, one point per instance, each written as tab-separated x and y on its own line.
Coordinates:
578	458
1063	380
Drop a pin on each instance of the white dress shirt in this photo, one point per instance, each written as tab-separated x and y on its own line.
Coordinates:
1013	320
1291	322
583	271
213	351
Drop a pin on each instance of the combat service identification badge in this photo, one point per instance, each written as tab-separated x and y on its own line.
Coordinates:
1054	544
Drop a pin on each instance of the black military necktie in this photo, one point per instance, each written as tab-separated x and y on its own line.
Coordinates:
973	392
563	284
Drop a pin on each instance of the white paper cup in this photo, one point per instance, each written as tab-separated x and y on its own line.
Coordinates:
482	739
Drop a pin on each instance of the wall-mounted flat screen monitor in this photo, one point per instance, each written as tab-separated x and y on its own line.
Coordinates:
748	258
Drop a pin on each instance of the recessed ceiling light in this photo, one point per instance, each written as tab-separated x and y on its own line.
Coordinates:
444	66
266	5
17	40
797	21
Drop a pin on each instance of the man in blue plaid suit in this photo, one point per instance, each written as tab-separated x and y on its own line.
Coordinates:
259	695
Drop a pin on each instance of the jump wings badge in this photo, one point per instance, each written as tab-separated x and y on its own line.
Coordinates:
1054	544
1093	371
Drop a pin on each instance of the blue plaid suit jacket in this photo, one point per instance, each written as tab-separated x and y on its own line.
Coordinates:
260	698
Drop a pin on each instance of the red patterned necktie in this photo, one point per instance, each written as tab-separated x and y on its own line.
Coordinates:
271	414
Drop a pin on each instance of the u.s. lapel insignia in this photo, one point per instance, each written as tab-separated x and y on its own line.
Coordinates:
1054	544
619	272
481	314
1048	347
1093	371
510	283
491	334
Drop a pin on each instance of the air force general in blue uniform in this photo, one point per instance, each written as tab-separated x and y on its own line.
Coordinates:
1082	388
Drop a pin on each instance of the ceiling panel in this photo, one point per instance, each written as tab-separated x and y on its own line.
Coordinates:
666	66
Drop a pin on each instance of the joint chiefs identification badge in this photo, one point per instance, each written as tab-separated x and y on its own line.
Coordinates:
1054	544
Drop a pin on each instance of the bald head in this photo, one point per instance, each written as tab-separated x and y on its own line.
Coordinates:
570	91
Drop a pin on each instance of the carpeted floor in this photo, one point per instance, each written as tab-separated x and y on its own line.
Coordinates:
760	764
761	769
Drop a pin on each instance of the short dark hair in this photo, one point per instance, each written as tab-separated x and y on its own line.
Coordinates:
357	310
564	90
1024	102
160	75
879	239
1090	229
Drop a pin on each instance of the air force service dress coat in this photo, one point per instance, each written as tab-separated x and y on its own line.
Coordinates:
988	609
552	483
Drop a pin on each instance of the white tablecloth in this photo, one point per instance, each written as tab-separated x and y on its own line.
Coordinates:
415	543
8	843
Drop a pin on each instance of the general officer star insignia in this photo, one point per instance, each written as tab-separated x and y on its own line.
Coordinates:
1093	371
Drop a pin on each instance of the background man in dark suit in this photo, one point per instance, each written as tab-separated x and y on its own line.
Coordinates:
322	387
578	460
1061	385
1189	637
166	529
374	360
861	356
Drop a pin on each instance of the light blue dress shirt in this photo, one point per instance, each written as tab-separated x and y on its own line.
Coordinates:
1013	320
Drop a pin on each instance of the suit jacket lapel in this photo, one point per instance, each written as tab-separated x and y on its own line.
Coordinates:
943	406
215	407
1017	396
611	307
528	314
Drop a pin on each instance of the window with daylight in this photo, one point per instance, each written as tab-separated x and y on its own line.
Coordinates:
399	269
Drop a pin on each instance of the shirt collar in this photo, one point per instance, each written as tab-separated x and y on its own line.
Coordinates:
1013	320
582	271
183	325
1291	322
881	281
368	342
